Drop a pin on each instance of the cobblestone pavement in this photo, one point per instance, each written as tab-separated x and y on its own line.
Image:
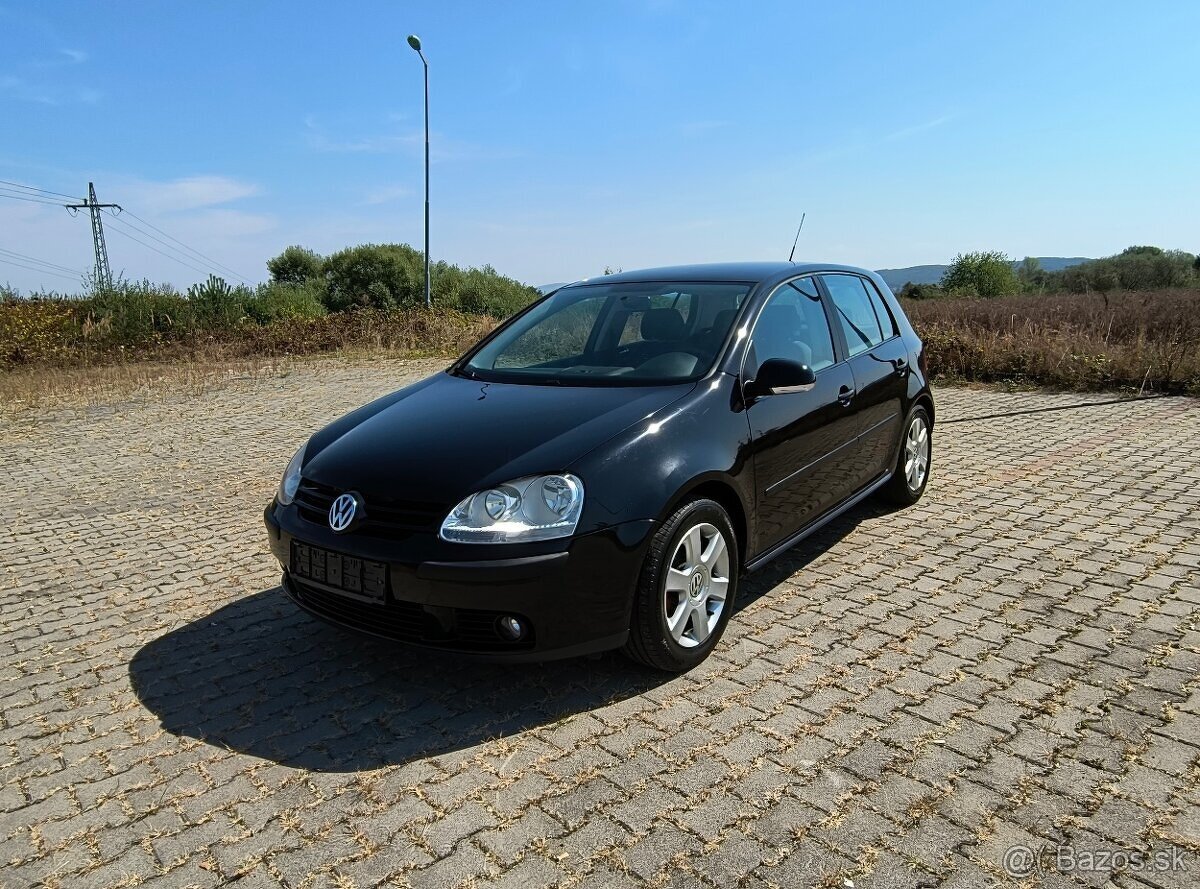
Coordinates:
1011	663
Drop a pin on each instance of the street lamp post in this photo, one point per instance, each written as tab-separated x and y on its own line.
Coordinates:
415	42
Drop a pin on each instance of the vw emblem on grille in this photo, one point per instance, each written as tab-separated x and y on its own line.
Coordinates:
343	512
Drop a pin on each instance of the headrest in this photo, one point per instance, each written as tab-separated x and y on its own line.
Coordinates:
777	314
722	320
662	324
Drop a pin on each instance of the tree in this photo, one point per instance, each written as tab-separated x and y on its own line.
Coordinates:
985	273
295	265
1031	274
377	276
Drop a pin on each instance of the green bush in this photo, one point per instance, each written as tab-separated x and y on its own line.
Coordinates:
295	265
375	276
986	273
135	312
1135	268
285	302
215	304
921	291
482	291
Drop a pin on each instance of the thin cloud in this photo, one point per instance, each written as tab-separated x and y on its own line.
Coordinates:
387	194
184	193
411	141
906	132
23	91
31	86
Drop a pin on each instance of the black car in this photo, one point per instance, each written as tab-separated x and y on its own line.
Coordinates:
599	470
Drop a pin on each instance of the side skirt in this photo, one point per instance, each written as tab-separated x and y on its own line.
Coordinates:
782	547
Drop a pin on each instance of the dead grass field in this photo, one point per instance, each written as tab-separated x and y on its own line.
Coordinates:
1120	341
1145	340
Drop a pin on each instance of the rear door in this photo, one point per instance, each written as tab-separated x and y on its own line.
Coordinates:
878	360
804	443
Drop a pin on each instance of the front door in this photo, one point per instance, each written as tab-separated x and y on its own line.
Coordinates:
805	447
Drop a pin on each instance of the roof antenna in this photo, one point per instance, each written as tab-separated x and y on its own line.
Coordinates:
797	241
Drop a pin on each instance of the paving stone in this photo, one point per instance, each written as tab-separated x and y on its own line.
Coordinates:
897	701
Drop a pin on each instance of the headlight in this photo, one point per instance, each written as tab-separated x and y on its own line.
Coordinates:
538	507
291	479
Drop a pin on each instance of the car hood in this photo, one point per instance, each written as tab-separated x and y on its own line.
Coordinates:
447	436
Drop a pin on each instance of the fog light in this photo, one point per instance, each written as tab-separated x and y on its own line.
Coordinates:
510	628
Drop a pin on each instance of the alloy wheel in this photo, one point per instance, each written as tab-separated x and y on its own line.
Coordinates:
696	585
916	452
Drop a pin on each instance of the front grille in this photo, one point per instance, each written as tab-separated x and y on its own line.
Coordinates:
383	518
464	629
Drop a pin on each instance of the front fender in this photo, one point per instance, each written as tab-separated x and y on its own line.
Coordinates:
703	438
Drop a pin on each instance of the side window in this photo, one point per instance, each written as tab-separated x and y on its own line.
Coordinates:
887	320
792	325
852	306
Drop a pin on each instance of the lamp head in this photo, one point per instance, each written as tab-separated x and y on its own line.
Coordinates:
415	42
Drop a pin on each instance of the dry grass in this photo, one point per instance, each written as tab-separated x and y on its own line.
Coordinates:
42	387
61	369
1072	341
54	333
1145	340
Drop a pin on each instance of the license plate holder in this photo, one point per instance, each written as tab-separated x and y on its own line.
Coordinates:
339	573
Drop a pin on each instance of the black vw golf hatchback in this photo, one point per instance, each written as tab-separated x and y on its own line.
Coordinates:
599	471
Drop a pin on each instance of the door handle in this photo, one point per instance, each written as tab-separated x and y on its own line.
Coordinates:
901	366
845	395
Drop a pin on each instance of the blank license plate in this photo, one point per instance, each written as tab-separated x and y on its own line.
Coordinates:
346	573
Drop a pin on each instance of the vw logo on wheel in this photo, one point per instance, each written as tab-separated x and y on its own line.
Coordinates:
343	512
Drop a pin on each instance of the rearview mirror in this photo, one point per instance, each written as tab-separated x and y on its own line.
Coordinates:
781	376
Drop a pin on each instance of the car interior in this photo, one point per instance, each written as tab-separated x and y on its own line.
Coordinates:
656	335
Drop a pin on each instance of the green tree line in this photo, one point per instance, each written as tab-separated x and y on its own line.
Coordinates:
992	273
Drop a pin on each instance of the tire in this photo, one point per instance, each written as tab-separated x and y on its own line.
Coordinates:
910	478
671	586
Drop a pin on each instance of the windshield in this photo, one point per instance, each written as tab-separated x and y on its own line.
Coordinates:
614	334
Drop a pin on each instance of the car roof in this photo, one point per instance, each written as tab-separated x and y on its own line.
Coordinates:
749	272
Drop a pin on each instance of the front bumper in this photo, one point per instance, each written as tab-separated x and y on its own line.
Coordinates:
574	595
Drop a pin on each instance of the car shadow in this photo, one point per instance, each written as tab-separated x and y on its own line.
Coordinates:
261	677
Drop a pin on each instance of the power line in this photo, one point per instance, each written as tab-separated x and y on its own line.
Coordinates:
213	266
53	265
94	207
189	249
33	269
188	256
59	194
33	199
159	252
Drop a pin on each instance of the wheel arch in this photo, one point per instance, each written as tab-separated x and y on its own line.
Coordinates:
925	400
721	490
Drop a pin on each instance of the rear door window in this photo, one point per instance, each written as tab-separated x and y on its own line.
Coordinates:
855	315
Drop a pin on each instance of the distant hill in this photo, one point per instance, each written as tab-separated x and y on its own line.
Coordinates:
932	274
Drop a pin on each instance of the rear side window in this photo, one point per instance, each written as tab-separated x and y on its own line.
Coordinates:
886	320
852	306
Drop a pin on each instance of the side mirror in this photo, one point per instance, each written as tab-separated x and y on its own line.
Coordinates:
780	376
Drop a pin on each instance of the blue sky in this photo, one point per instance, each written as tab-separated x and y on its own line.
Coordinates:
571	136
